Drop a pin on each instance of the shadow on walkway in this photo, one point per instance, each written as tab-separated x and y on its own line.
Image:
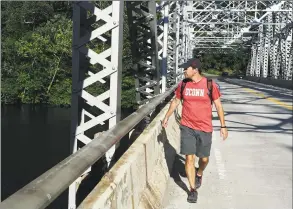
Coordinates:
174	161
179	170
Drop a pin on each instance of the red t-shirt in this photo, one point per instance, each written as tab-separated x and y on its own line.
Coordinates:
197	108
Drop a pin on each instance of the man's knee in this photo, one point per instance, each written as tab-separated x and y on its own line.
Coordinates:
204	159
190	160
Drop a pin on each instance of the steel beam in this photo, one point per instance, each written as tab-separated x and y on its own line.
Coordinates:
165	47
142	22
94	77
171	46
177	42
219	23
160	38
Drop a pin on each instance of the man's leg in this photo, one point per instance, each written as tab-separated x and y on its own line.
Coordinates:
190	170
190	173
204	144
203	162
188	148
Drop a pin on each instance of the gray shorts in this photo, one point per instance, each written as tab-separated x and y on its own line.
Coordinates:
195	142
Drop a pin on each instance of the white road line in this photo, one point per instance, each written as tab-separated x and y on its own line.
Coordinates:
220	164
222	176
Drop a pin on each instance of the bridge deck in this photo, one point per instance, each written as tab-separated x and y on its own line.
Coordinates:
253	168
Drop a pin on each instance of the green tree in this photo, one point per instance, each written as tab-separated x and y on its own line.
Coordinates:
36	54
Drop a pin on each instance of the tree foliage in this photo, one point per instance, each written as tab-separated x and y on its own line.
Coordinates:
37	52
216	61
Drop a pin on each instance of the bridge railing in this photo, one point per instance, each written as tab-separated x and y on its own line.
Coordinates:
42	191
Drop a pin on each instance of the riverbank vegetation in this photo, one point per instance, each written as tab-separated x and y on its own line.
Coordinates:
36	55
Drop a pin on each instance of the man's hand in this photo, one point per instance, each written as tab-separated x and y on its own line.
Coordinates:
171	109
219	107
165	122
224	133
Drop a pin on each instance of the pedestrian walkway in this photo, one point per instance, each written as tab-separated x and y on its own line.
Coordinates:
253	168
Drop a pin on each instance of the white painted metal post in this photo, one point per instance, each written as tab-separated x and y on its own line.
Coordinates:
116	68
171	50
276	44
165	47
248	67
142	22
289	44
176	47
258	53
160	34
266	46
106	64
283	49
253	60
271	46
181	32
79	17
185	34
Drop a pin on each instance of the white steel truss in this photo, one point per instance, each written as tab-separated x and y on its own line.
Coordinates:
168	43
274	52
144	43
158	46
265	26
92	67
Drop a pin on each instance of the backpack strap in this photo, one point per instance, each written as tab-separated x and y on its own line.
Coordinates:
184	81
210	88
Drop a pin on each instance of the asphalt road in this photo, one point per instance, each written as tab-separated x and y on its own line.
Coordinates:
252	169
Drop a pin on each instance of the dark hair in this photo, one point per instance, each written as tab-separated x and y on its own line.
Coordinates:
199	70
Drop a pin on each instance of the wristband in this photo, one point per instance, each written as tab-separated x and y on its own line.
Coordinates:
223	126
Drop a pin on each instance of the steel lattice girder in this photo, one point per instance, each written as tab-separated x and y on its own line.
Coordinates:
91	67
168	42
153	76
228	18
144	44
266	25
163	33
276	39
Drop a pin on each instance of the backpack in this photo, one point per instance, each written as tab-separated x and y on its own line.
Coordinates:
209	85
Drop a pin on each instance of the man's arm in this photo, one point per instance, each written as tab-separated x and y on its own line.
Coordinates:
174	104
220	112
170	111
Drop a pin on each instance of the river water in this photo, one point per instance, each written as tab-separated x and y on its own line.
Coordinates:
34	139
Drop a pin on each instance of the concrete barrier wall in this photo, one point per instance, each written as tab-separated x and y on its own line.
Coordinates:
270	81
139	179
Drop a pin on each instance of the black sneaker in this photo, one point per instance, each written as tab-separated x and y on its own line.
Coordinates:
198	180
192	196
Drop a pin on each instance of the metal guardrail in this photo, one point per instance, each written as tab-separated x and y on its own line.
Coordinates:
42	191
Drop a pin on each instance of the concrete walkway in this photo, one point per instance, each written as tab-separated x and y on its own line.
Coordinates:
253	168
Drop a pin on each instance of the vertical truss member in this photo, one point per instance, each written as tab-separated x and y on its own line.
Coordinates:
142	20
167	42
274	36
96	74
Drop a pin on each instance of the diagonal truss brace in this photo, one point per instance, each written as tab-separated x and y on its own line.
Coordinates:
98	69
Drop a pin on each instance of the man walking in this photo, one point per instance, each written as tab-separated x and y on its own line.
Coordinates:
196	122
